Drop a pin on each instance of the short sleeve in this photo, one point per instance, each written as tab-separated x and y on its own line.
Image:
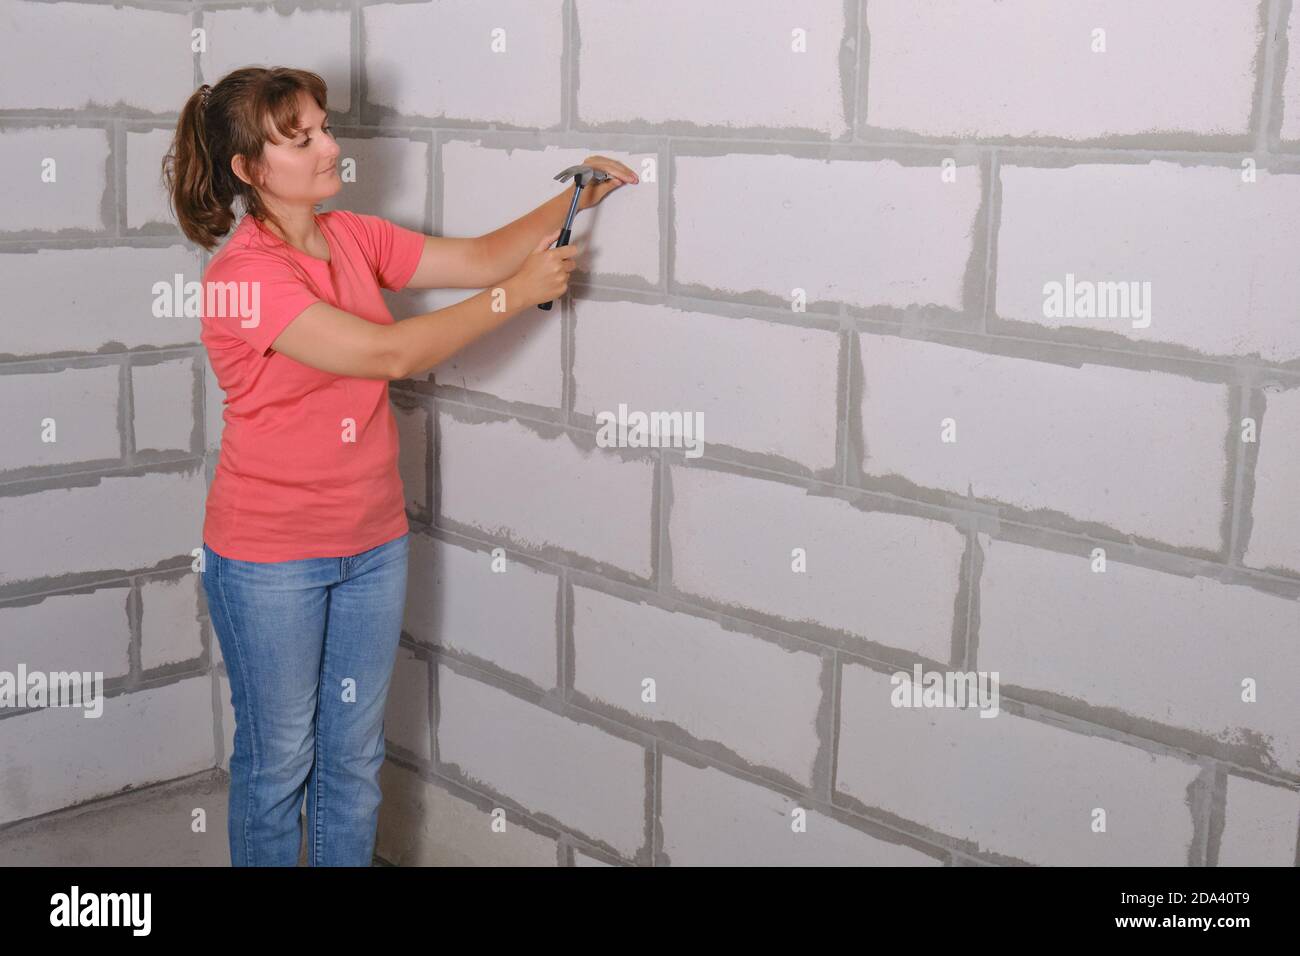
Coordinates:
254	296
394	250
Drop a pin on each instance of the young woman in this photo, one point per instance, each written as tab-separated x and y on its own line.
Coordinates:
305	534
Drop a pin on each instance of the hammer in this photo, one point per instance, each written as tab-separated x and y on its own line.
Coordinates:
581	176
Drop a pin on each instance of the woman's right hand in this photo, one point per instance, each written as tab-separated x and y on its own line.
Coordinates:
544	276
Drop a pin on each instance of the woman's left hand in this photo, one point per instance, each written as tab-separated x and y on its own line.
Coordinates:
618	175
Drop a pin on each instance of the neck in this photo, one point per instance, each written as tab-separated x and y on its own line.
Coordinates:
299	227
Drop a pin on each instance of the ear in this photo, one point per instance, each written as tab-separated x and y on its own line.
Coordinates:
240	168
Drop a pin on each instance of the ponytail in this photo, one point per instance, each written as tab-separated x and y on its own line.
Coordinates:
218	123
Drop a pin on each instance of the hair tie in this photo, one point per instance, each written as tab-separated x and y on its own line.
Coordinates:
204	90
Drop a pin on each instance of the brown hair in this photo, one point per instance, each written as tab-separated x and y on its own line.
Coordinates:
219	123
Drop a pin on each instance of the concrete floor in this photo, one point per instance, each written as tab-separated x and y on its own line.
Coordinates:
152	826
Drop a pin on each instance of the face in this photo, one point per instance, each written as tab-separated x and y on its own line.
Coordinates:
302	170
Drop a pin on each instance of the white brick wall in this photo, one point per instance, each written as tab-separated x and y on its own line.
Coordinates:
627	247
505	478
751	696
508	618
169	620
307	39
140	738
1291	90
406	719
520	361
413	453
770	82
1228	286
118	522
448	60
913	174
61	302
1275	529
772	224
69	166
980	68
771	388
127	57
392	177
1011	786
87	631
713	819
571	772
214	401
164	405
82	406
889	578
423	825
1260	825
146	199
1142	452
1167	648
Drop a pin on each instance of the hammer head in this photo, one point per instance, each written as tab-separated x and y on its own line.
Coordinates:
584	175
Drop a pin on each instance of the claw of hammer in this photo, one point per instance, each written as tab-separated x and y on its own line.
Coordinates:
582	175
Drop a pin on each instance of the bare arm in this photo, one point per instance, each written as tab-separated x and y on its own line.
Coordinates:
502	251
454	263
423	341
332	340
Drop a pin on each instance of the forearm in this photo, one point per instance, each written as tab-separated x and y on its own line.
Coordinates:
419	343
508	246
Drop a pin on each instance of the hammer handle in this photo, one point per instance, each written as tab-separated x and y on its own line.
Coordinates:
562	241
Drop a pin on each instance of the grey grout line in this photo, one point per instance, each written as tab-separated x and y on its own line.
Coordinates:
659	527
1082	151
1215	790
655	783
991	148
832	765
846	365
1240	408
808	799
970	640
563	609
1266	79
1216	769
992	200
858	101
955	511
867	657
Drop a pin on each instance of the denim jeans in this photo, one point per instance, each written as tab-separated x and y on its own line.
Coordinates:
309	647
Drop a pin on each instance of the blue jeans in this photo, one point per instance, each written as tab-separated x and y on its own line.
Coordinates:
309	647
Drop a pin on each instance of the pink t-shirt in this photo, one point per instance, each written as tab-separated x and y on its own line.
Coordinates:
308	464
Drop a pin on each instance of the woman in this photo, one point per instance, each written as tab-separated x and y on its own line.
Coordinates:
305	535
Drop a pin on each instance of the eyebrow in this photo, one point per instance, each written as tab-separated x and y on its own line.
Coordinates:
308	129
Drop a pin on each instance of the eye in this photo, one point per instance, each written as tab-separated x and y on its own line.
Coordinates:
324	129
